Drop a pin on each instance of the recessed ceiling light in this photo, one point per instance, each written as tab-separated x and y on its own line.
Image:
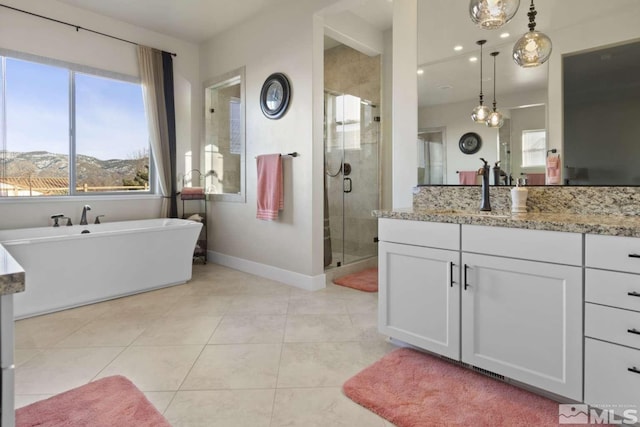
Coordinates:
504	35
457	48
420	71
473	59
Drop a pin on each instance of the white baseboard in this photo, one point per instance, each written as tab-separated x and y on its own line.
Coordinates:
302	281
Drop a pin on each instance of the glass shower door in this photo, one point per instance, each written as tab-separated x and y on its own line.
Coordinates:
351	178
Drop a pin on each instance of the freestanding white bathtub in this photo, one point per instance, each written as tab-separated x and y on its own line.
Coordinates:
65	268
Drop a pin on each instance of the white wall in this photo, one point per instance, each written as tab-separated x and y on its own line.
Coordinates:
405	102
290	249
36	36
524	119
456	119
386	162
353	31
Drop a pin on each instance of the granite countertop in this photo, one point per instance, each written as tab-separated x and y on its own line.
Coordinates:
613	225
11	274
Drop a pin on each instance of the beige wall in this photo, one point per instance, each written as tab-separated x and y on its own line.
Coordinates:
290	248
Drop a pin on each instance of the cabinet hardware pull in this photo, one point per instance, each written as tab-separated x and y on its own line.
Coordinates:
633	331
634	255
633	294
634	370
466	267
451	281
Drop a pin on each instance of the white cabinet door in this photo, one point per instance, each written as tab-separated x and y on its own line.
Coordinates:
523	319
419	296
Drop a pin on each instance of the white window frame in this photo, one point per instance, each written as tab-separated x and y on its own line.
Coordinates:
537	165
73	69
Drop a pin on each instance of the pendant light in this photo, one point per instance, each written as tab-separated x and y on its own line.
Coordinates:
492	14
481	112
534	47
495	119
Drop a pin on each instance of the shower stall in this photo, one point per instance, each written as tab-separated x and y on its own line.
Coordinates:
351	154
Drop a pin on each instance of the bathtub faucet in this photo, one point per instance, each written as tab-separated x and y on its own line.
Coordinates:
55	219
83	218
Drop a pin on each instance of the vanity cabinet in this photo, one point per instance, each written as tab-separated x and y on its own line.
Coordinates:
612	323
419	273
505	300
522	305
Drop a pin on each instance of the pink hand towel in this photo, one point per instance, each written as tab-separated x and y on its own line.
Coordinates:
270	187
468	177
535	179
553	170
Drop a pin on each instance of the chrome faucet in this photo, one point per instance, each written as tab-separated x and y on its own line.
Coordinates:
83	218
484	171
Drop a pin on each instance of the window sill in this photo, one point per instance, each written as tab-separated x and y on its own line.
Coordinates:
77	198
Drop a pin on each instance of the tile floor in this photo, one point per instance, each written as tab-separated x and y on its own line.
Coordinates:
225	349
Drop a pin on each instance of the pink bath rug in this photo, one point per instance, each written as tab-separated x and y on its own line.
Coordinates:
414	389
108	402
365	280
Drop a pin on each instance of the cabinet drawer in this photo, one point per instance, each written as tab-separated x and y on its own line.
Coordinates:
420	233
611	288
612	324
608	382
535	245
613	253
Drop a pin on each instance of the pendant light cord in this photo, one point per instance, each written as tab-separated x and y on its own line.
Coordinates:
481	95
532	16
481	43
494	54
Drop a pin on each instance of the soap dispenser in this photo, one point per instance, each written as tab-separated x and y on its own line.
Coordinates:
519	199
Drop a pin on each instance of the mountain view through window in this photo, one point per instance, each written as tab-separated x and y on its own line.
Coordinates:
53	114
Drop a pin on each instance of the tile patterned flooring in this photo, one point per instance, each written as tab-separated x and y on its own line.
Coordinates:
225	349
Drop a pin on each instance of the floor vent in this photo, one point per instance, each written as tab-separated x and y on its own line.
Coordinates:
475	368
488	373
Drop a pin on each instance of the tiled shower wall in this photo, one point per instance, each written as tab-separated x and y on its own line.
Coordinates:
350	72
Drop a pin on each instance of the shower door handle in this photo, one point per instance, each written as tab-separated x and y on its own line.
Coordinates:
347	185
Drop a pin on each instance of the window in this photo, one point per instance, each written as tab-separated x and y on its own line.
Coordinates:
56	112
223	151
534	144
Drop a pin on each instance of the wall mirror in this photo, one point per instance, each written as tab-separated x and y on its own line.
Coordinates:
531	99
223	151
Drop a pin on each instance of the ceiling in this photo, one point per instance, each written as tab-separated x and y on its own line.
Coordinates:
190	20
199	20
449	76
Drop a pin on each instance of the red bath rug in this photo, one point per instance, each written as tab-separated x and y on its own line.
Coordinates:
365	280
111	401
414	389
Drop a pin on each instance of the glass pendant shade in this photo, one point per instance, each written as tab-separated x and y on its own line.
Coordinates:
495	119
480	114
492	14
532	49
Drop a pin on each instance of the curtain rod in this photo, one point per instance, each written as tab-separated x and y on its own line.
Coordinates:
77	27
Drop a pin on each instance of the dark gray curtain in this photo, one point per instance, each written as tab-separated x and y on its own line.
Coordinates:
169	101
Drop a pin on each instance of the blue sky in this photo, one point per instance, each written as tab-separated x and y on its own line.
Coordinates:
110	118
